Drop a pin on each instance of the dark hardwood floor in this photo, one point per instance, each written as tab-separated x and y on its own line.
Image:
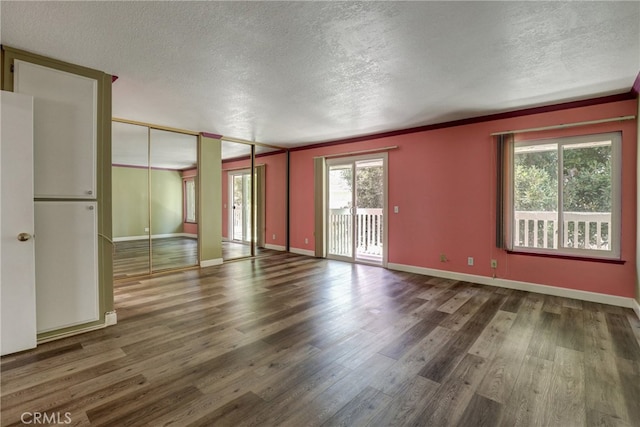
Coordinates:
293	341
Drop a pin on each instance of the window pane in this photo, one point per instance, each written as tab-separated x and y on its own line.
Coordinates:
587	195
191	200
535	196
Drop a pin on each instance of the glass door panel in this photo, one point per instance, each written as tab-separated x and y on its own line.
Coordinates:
173	163
241	206
340	211
130	199
238	207
247	230
355	209
369	202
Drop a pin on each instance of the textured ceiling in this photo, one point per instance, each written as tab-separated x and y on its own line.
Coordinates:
294	73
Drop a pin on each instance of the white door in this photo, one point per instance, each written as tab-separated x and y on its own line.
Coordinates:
17	277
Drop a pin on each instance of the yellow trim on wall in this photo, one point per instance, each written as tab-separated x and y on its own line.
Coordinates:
209	187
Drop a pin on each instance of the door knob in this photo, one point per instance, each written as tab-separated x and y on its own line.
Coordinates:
23	237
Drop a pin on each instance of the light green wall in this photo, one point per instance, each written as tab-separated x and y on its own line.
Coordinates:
167	202
131	202
210	193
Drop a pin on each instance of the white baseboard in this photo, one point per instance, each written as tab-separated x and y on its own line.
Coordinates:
130	238
302	251
211	262
274	247
110	318
636	307
522	286
155	236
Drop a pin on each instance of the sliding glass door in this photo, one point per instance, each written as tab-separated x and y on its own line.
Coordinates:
241	206
356	203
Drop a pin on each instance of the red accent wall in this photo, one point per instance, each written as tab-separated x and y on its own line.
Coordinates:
444	183
275	195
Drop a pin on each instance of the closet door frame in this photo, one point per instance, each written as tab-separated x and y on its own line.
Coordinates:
150	127
103	179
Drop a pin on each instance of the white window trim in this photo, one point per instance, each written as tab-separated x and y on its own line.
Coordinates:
616	206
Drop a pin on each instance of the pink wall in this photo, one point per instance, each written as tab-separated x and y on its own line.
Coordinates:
275	196
189	227
443	182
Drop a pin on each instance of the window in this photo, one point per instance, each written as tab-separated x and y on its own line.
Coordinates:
565	196
190	200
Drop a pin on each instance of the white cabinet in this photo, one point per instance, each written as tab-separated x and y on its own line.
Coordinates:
66	264
65	130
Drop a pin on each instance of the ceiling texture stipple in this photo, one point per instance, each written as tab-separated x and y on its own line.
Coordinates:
295	73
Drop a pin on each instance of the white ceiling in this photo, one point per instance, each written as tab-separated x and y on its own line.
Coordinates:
293	73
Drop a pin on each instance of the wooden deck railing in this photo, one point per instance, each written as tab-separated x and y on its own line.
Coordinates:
368	231
585	230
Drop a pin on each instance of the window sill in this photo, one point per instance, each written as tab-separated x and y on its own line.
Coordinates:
569	257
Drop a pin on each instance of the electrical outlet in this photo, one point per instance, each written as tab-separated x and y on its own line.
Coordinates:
306	241
396	209
146	229
470	260
494	263
274	237
443	258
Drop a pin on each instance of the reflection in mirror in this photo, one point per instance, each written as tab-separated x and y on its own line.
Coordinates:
174	227
237	219
270	186
271	172
130	198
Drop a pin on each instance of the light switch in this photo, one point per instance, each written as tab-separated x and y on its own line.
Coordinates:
396	209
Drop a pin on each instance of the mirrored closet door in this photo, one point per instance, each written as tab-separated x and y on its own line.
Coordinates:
237	201
154	175
254	199
130	199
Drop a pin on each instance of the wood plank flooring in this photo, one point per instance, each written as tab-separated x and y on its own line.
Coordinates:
288	340
232	250
131	258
